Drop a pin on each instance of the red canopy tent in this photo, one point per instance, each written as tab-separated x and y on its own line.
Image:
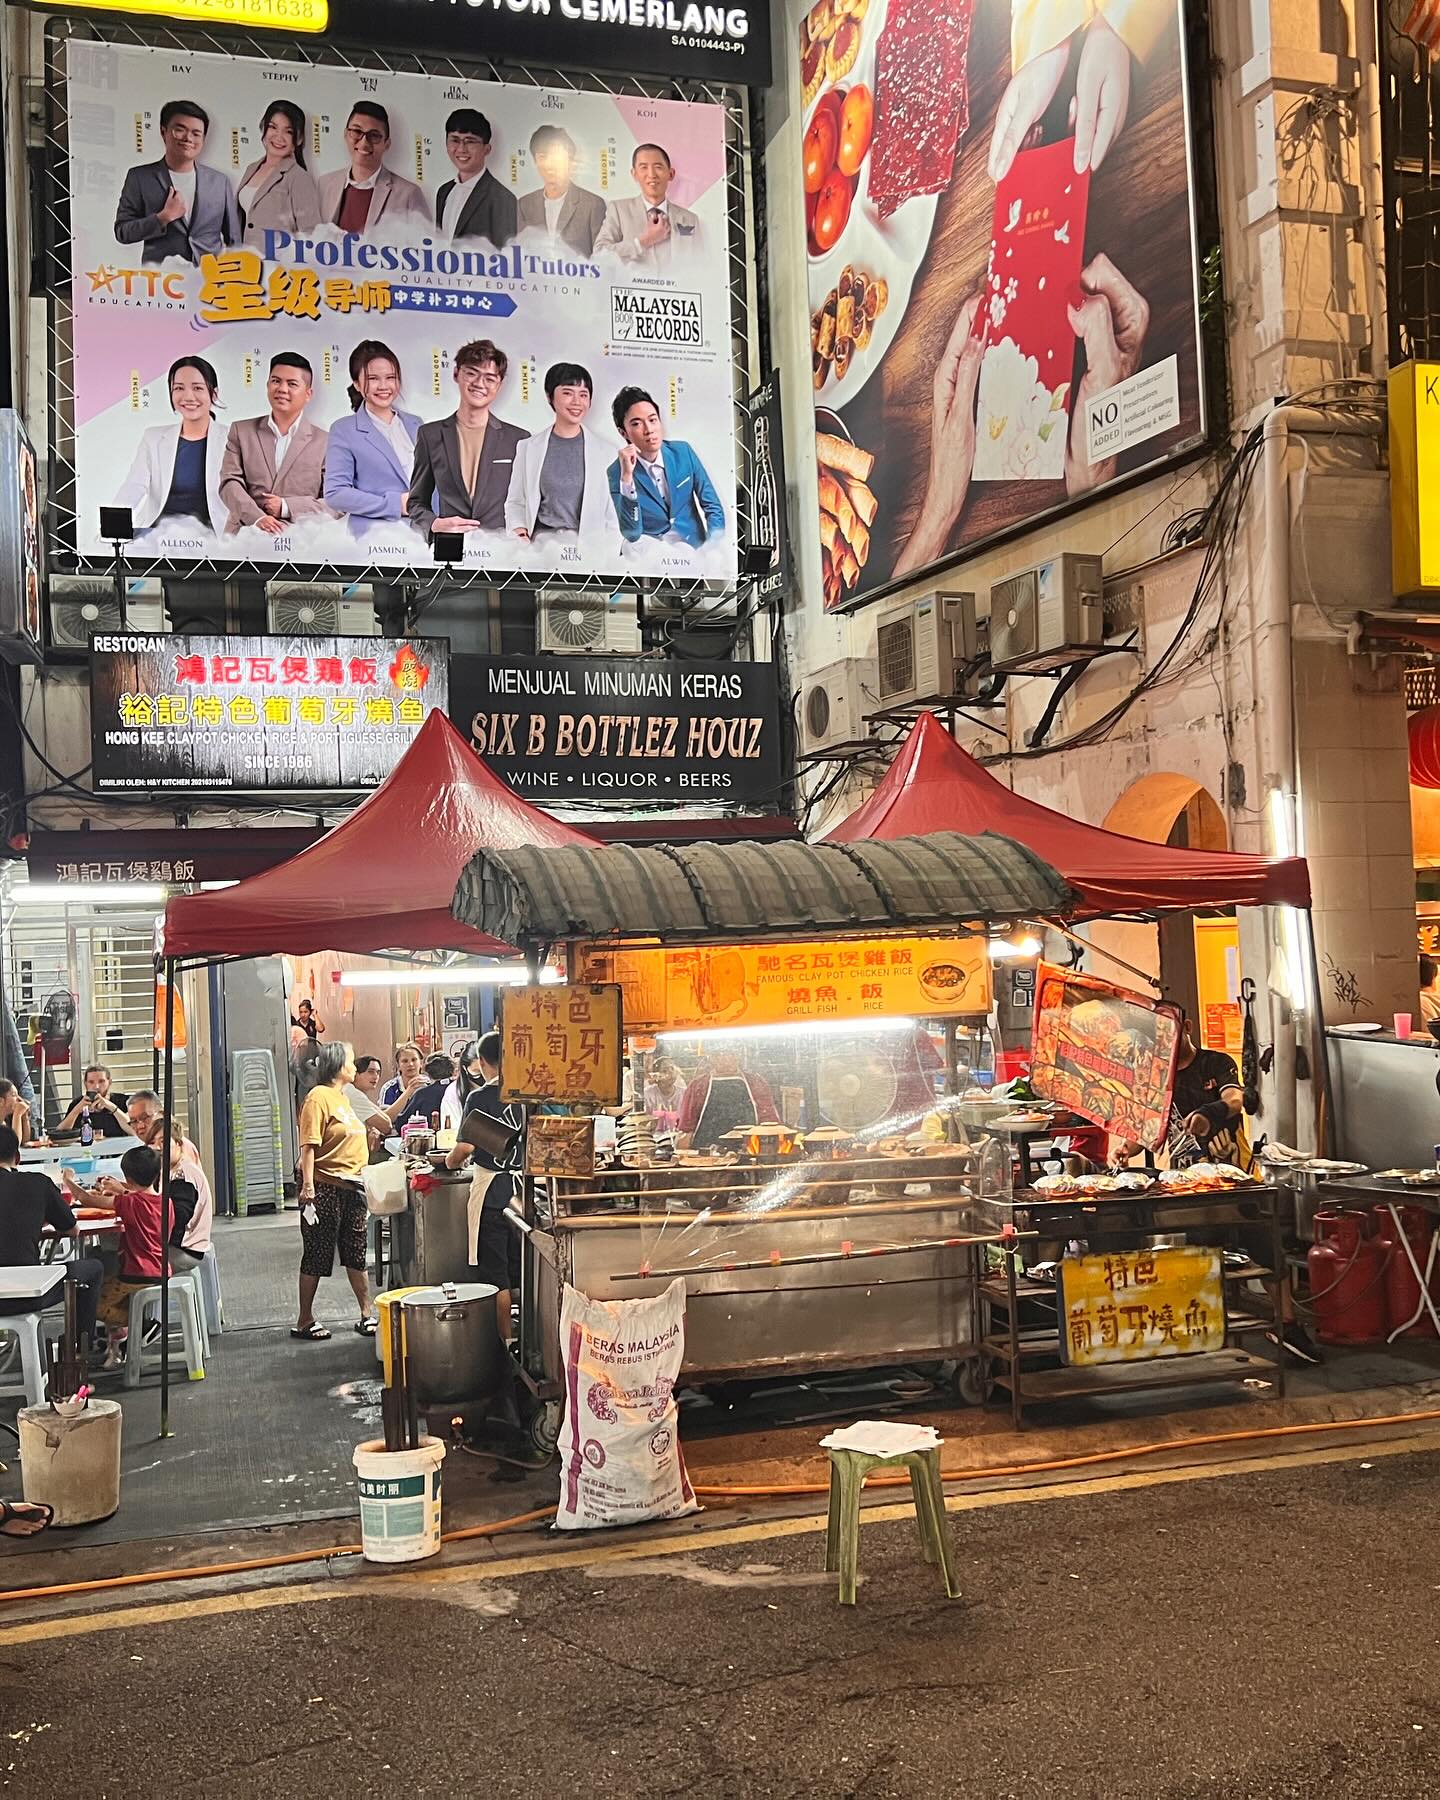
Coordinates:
934	785
383	879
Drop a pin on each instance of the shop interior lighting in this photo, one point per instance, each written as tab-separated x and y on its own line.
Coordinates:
790	1028
461	975
1016	946
94	893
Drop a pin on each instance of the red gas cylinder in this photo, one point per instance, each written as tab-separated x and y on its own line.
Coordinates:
1402	1290
1347	1280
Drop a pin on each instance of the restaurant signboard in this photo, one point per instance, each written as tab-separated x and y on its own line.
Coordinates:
1138	1305
211	715
561	1046
702	988
560	728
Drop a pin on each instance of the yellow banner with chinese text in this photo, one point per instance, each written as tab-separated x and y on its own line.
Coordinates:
705	988
561	1045
1135	1306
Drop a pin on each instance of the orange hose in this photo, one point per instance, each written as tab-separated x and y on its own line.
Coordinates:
778	1490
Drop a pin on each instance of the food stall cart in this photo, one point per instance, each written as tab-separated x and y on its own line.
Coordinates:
806	1242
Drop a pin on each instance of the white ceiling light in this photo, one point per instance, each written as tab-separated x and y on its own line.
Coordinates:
462	975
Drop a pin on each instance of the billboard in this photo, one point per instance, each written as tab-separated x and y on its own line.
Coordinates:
515	260
1002	269
20	577
1104	1053
563	728
199	715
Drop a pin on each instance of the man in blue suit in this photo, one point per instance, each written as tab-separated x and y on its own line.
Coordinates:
660	489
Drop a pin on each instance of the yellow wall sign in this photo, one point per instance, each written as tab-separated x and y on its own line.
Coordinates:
269	15
561	1044
1137	1305
1414	395
794	983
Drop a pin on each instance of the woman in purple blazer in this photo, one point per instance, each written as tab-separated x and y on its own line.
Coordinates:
370	455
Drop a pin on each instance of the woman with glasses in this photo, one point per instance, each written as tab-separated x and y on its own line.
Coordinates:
277	192
370	455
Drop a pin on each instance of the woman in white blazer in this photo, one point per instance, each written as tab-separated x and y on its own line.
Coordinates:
176	472
537	501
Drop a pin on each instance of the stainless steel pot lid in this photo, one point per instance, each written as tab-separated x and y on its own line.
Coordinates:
451	1295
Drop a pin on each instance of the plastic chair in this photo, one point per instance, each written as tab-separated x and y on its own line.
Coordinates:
26	1329
208	1277
184	1289
871	1444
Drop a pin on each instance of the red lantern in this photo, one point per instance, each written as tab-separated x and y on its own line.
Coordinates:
1425	747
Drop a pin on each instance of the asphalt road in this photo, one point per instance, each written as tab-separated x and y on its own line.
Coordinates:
1260	1634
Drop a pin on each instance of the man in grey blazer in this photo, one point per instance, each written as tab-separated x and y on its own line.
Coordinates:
273	470
650	230
367	194
560	211
178	206
463	464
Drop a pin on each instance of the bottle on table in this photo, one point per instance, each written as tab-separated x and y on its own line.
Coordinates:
87	1130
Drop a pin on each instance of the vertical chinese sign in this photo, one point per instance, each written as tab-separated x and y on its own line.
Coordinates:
561	1046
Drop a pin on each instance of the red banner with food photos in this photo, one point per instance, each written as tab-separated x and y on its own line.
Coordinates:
1106	1054
1002	277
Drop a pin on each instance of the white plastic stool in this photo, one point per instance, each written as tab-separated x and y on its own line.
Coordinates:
207	1275
146	1300
25	1327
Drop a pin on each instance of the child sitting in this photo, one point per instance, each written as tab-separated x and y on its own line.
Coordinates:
137	1206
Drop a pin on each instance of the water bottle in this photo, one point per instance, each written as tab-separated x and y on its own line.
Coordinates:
87	1130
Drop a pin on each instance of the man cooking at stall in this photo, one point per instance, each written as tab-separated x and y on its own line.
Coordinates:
493	1190
721	1098
1209	1101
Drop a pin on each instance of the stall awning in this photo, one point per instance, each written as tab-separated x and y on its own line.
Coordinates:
716	893
934	786
384	877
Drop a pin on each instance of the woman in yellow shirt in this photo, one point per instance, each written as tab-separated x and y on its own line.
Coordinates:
333	1153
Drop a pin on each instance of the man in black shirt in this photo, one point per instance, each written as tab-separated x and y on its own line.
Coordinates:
107	1108
29	1201
494	1240
1209	1101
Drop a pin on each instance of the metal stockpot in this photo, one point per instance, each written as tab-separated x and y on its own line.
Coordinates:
453	1345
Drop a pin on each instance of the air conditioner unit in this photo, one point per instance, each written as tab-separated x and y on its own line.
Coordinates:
833	704
81	605
588	624
320	609
1047	616
923	646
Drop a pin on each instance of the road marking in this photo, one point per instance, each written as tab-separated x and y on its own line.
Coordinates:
414	1583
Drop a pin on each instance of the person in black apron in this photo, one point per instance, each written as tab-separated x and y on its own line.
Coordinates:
722	1098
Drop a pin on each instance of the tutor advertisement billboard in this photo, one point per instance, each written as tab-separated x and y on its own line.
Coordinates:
321	315
1002	268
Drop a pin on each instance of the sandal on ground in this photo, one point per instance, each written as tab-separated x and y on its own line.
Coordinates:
23	1518
366	1327
312	1333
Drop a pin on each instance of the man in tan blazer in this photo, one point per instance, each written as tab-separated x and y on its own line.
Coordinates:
651	230
273	470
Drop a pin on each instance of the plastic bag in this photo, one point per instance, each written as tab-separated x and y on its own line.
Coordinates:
620	1458
384	1188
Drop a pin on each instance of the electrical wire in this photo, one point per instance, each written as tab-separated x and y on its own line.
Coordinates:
766	1490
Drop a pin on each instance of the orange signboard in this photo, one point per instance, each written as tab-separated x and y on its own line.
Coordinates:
795	983
561	1044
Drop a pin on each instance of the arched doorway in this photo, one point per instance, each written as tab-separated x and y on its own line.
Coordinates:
1197	959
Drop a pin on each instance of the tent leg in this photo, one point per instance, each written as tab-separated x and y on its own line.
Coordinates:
168	1106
